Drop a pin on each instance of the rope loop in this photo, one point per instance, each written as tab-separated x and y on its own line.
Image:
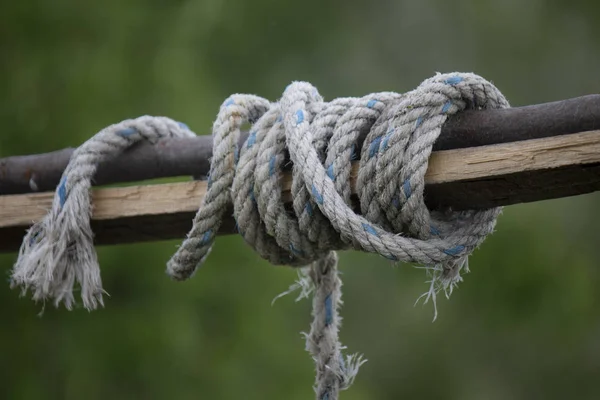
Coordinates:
319	141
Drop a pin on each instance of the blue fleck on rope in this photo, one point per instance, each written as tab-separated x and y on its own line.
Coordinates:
319	140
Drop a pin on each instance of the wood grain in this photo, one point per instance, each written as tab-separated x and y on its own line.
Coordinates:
479	177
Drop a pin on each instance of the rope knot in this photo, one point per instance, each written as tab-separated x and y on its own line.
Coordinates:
375	205
318	141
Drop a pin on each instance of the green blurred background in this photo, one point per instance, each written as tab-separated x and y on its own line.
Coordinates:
524	324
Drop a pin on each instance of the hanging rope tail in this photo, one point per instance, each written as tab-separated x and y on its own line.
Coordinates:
58	251
319	140
333	372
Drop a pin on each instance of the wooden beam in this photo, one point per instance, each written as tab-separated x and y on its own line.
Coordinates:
468	178
190	156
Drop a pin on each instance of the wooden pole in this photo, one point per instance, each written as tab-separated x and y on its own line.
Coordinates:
475	177
190	157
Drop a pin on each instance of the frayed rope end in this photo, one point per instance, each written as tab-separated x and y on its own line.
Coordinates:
304	283
349	369
49	265
444	277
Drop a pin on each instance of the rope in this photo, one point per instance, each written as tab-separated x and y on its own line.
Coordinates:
333	373
59	250
320	140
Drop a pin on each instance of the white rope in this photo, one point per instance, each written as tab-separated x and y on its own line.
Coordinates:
59	250
320	140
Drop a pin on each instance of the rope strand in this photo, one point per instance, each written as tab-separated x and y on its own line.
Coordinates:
320	141
58	251
333	372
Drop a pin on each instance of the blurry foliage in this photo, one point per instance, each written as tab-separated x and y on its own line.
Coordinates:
524	324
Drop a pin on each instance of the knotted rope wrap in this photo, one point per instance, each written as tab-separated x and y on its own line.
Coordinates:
59	250
320	140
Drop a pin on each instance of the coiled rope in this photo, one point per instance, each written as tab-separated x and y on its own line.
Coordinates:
319	140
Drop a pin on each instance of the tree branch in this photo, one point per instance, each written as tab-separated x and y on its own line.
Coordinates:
190	157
